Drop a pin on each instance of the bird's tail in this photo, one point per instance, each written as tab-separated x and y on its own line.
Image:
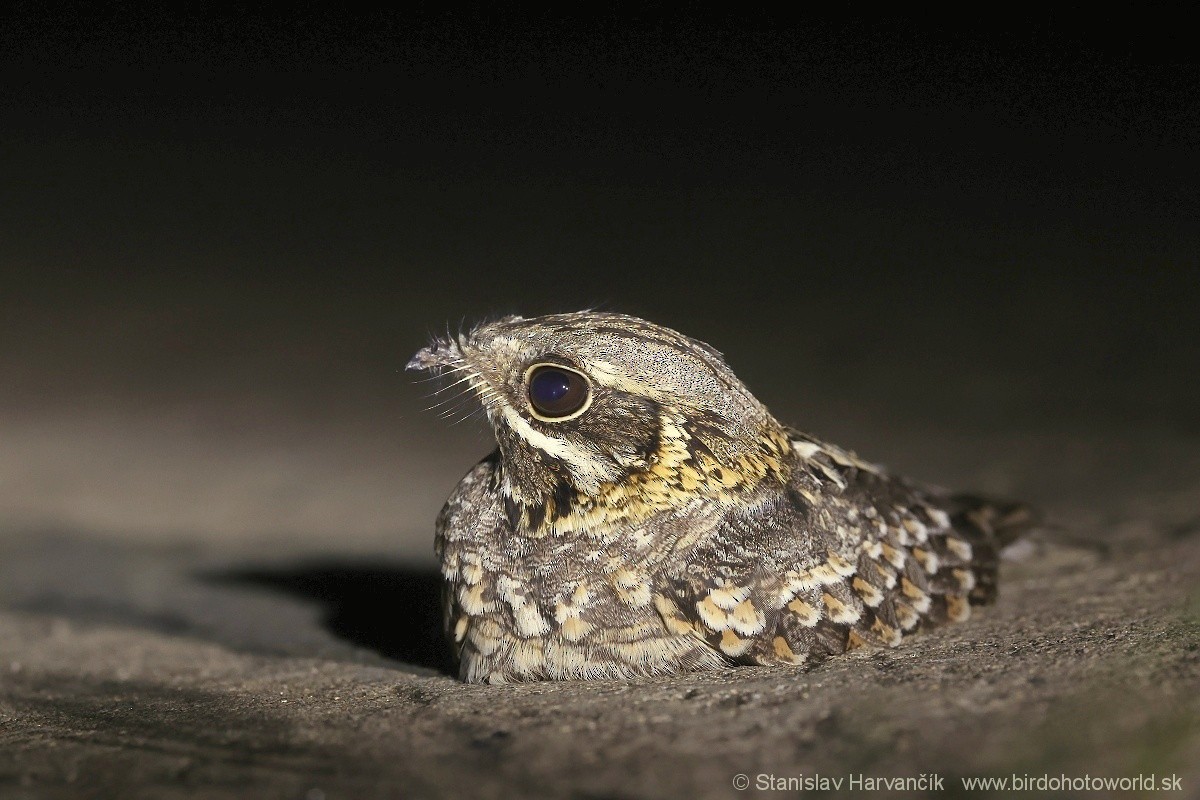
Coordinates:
989	525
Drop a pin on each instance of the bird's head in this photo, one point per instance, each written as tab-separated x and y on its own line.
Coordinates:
593	400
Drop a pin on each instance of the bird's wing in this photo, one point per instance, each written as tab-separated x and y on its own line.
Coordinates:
852	556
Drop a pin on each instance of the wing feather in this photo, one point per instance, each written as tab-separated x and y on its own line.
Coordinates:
856	557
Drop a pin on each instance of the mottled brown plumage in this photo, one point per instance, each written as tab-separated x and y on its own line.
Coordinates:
662	520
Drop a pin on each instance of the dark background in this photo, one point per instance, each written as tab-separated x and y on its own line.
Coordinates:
221	238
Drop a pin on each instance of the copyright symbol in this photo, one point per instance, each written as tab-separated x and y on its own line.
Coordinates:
741	782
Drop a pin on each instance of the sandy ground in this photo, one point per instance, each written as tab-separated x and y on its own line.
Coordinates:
273	642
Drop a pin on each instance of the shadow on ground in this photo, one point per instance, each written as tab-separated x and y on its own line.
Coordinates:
394	611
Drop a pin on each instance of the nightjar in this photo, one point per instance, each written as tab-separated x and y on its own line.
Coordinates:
645	514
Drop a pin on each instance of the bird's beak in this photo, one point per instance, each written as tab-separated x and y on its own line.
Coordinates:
440	353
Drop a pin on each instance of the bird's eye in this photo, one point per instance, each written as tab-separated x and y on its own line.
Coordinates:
556	392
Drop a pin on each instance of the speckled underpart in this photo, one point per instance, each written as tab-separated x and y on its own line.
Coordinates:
675	524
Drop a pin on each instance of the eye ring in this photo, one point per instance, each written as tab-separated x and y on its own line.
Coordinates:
556	393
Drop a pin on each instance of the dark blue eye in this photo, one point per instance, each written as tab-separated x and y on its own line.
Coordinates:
556	392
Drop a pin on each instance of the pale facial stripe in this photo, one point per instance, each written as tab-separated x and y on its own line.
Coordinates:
586	465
